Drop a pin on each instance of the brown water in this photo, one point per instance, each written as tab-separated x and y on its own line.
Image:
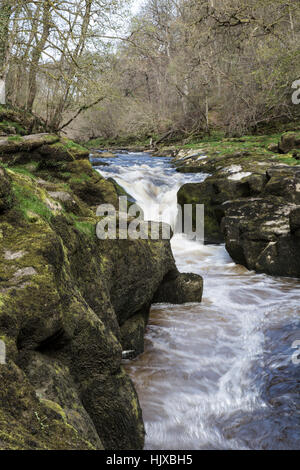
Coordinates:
215	375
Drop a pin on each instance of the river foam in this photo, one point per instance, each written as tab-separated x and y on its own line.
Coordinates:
215	375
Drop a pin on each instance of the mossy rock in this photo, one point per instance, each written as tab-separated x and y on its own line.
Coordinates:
21	145
66	302
289	141
6	194
22	121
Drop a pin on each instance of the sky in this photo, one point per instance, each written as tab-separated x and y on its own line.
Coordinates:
136	4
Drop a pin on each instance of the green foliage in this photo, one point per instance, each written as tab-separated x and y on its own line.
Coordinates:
70	144
120	141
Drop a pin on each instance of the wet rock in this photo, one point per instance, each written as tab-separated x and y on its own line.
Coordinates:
273	148
69	305
133	331
213	192
288	142
95	190
258	235
184	288
28	422
106	155
165	152
295	221
284	183
252	204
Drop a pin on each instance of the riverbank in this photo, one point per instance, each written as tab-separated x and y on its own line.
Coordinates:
251	196
70	304
216	374
251	199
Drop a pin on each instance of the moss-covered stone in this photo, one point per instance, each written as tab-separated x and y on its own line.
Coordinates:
288	142
69	305
251	201
6	194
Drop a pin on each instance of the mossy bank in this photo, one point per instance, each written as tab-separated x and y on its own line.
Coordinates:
251	198
69	302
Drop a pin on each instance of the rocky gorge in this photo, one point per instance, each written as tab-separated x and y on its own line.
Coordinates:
70	304
73	307
252	202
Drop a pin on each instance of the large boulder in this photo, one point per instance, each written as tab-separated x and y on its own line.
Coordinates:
251	204
16	144
49	150
180	288
261	234
288	142
213	192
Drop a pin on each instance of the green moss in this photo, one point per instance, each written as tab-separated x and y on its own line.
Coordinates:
52	405
80	179
29	203
5	126
288	159
83	226
14	138
25	169
69	144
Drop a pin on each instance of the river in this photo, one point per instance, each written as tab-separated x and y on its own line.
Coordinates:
215	375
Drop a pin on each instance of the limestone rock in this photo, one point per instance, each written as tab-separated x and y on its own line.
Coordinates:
69	305
288	142
184	288
258	235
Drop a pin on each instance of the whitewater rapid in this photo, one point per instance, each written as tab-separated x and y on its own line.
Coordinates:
215	375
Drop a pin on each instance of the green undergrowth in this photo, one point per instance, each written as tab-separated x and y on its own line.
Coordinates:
5	126
29	203
119	142
254	145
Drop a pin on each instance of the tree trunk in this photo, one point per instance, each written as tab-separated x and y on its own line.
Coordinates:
5	13
37	55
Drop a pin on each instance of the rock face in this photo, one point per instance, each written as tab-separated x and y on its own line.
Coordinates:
187	287
259	235
69	305
252	204
288	142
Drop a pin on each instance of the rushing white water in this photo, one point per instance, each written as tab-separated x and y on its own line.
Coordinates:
215	375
